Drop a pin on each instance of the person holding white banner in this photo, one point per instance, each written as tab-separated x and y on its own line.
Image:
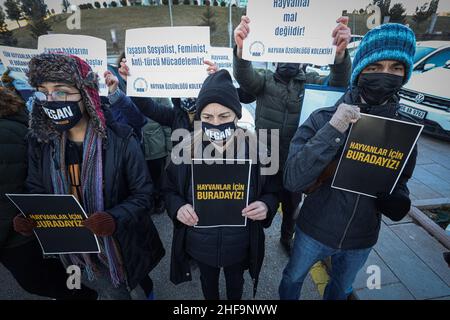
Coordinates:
333	222
279	98
181	116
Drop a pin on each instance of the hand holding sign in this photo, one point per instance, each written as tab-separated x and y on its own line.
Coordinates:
212	67
187	215
240	33
395	206
375	154
24	225
112	82
124	70
341	35
101	224
344	116
57	221
256	211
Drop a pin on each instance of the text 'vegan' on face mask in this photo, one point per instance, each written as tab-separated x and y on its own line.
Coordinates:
221	132
64	115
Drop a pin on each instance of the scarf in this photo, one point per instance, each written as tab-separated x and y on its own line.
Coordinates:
92	201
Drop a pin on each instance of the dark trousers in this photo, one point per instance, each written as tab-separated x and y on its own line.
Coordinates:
44	277
234	279
147	285
289	203
156	168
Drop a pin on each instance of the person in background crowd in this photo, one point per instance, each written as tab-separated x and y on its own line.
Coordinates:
156	141
157	145
122	108
20	86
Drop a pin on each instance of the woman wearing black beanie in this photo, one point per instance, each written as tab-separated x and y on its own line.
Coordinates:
234	249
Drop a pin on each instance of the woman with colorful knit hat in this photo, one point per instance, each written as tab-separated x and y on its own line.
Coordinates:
76	148
336	223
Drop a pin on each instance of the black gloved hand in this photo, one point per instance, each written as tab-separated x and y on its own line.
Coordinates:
394	206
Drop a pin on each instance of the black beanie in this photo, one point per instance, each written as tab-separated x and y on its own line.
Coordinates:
219	88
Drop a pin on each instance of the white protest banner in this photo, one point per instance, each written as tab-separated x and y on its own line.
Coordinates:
17	59
223	58
90	49
298	31
166	62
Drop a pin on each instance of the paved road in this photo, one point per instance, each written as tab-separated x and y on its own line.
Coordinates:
267	290
431	181
431	178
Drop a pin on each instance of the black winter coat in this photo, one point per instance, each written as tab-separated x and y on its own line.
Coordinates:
337	218
174	118
13	170
127	189
177	189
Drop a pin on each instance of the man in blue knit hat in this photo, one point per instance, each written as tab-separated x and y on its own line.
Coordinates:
336	223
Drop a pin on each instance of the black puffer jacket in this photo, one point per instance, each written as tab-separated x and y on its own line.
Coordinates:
13	169
337	218
127	187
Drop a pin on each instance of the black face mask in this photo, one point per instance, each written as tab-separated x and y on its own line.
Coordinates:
287	71
377	88
188	104
220	132
64	115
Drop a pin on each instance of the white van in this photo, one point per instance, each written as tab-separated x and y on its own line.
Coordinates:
426	99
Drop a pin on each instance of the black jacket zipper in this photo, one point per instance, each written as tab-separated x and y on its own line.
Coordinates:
350	221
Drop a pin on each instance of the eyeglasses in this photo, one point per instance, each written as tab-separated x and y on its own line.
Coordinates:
56	96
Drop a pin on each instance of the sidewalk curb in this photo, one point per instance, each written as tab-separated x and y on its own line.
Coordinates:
430	226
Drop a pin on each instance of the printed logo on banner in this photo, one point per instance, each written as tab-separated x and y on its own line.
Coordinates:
257	49
140	85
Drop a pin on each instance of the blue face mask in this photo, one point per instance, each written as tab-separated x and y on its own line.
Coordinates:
221	132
